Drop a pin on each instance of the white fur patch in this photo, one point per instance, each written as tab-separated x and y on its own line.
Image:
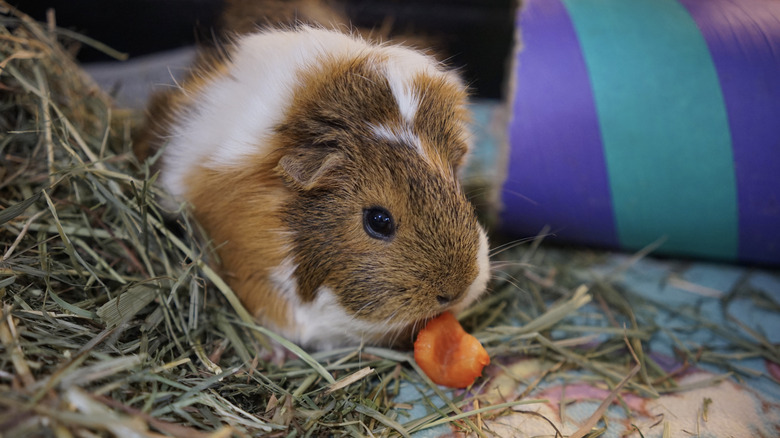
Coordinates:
402	67
403	135
235	113
283	278
479	284
323	324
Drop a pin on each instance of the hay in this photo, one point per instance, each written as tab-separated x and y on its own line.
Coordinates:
113	325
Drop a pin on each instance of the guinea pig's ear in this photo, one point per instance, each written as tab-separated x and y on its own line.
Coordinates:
312	167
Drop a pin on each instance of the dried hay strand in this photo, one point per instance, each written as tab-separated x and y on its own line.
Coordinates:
112	324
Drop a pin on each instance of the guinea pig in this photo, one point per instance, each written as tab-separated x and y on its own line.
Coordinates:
324	168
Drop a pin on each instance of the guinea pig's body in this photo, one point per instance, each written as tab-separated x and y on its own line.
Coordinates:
324	169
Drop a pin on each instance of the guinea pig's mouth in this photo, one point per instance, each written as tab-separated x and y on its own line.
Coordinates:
400	328
401	333
422	322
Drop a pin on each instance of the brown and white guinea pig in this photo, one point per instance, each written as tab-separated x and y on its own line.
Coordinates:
325	170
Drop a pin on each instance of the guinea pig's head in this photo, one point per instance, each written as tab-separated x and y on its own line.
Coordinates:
370	148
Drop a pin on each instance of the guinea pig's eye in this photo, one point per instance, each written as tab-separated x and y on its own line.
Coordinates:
378	223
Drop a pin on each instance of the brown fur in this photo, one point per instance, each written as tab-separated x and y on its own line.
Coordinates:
241	220
441	117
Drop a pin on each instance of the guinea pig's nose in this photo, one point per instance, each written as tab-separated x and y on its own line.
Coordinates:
443	299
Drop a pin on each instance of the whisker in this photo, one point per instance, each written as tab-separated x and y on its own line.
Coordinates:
414	330
512	280
392	331
509	245
520	196
476	192
500	264
365	306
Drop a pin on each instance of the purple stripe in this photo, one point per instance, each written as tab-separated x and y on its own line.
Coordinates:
744	40
556	174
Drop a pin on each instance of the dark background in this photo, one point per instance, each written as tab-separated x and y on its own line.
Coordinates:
476	35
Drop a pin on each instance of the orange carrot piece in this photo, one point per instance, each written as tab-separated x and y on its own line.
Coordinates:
447	354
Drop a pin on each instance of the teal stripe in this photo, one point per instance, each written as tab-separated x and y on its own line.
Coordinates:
664	125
